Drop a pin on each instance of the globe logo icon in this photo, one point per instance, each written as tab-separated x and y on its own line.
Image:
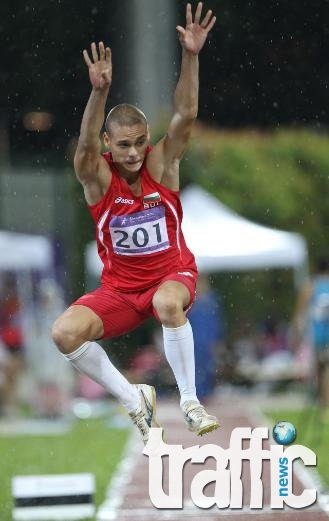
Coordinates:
284	433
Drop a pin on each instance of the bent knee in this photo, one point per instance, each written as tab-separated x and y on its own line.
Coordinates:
64	335
70	332
167	307
73	328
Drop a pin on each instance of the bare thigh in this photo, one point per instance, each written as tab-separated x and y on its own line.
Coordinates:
76	325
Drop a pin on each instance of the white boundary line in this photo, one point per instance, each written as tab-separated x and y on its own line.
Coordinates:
310	478
108	510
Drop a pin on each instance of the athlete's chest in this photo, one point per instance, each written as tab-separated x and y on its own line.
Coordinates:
143	195
138	224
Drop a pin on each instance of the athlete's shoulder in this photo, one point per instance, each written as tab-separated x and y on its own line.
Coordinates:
157	184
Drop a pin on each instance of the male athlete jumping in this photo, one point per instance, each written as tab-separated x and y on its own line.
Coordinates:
132	192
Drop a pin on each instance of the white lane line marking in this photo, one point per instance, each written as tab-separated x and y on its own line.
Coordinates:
117	487
309	477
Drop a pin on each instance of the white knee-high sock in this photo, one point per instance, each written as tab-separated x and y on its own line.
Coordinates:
91	359
179	350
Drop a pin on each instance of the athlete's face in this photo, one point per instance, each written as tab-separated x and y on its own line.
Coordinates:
128	146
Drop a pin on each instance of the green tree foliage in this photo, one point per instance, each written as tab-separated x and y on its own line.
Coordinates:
279	179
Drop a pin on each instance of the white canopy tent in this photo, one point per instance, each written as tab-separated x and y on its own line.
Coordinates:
19	251
221	240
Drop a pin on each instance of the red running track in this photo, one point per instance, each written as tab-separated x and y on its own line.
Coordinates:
128	494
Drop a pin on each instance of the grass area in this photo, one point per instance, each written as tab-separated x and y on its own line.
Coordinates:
90	446
311	433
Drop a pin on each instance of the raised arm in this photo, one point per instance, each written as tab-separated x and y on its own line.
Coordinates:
90	167
163	164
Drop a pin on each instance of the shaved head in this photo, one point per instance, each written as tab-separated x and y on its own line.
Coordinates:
124	115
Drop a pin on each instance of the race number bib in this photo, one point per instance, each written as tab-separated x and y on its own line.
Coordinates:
140	233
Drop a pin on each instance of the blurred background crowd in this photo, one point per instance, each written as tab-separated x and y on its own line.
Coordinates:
260	147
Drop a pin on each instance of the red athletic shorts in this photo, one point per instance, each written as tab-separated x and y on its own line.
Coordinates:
122	312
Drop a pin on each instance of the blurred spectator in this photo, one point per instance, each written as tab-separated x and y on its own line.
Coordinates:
272	337
311	322
277	364
52	375
245	349
264	357
11	336
206	317
145	365
3	363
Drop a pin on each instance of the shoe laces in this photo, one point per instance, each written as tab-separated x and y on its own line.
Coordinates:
139	419
197	412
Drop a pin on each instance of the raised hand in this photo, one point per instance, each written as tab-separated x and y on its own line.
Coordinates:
195	33
100	69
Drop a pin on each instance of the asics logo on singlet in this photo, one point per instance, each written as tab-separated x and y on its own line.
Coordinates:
124	201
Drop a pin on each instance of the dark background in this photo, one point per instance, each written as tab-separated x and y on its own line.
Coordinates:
265	65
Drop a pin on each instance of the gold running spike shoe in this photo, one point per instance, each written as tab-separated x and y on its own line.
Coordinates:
198	420
145	416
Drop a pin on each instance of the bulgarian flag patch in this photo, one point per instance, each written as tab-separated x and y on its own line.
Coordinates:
152	198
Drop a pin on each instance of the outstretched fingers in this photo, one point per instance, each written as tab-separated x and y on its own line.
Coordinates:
108	54
181	30
211	24
189	19
206	19
198	13
103	53
94	52
86	58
